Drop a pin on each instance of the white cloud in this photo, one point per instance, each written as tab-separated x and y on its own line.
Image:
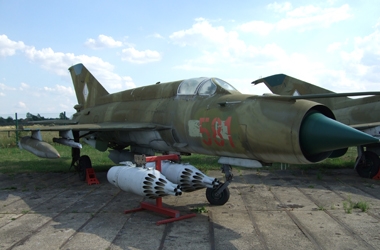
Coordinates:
258	27
5	87
280	7
24	86
9	47
203	34
156	35
50	99
206	38
364	60
139	57
60	90
302	18
334	47
21	105
103	41
220	46
58	63
311	17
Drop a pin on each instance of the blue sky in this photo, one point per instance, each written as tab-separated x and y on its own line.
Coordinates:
126	44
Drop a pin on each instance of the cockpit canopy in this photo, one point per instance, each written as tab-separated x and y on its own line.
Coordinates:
203	86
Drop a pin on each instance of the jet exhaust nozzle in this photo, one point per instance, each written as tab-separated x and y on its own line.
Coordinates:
189	177
142	181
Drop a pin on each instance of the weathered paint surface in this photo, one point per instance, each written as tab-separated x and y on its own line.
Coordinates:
211	118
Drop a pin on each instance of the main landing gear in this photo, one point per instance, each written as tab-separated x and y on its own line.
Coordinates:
220	194
368	165
80	163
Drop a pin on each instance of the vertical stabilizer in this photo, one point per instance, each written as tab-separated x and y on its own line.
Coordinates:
87	88
282	84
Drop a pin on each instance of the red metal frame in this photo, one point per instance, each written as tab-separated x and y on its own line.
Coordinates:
158	208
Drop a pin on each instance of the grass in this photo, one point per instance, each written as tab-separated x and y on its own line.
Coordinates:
15	160
322	208
362	205
199	210
348	205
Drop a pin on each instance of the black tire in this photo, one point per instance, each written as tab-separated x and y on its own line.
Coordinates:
217	199
84	163
368	165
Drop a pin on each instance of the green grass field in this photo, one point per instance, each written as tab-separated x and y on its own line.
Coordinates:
15	160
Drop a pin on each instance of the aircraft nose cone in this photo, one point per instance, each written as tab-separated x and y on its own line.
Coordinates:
320	134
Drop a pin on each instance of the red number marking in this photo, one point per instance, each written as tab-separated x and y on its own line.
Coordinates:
204	131
216	127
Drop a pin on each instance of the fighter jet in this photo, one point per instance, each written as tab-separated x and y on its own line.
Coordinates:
199	115
360	113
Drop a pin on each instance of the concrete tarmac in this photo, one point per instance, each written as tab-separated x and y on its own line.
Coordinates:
275	209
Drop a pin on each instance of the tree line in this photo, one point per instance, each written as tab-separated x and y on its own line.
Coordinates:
30	118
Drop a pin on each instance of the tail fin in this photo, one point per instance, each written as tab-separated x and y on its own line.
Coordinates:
87	88
282	84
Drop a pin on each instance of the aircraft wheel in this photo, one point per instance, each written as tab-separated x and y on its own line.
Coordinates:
84	163
369	165
217	199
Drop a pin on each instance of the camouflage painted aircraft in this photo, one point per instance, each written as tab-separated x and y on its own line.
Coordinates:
361	113
198	115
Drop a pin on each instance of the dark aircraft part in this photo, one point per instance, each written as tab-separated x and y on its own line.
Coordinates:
187	176
320	135
118	156
217	199
84	163
75	152
39	148
369	164
338	153
142	181
227	171
67	142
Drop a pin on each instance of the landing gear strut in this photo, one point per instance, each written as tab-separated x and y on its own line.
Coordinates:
80	163
221	194
84	163
368	165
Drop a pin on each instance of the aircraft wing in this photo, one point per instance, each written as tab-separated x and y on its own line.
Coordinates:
55	122
35	145
108	126
366	125
314	96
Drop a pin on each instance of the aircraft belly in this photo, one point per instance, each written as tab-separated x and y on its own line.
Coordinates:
149	139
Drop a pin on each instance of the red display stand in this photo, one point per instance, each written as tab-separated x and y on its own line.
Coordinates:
158	208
